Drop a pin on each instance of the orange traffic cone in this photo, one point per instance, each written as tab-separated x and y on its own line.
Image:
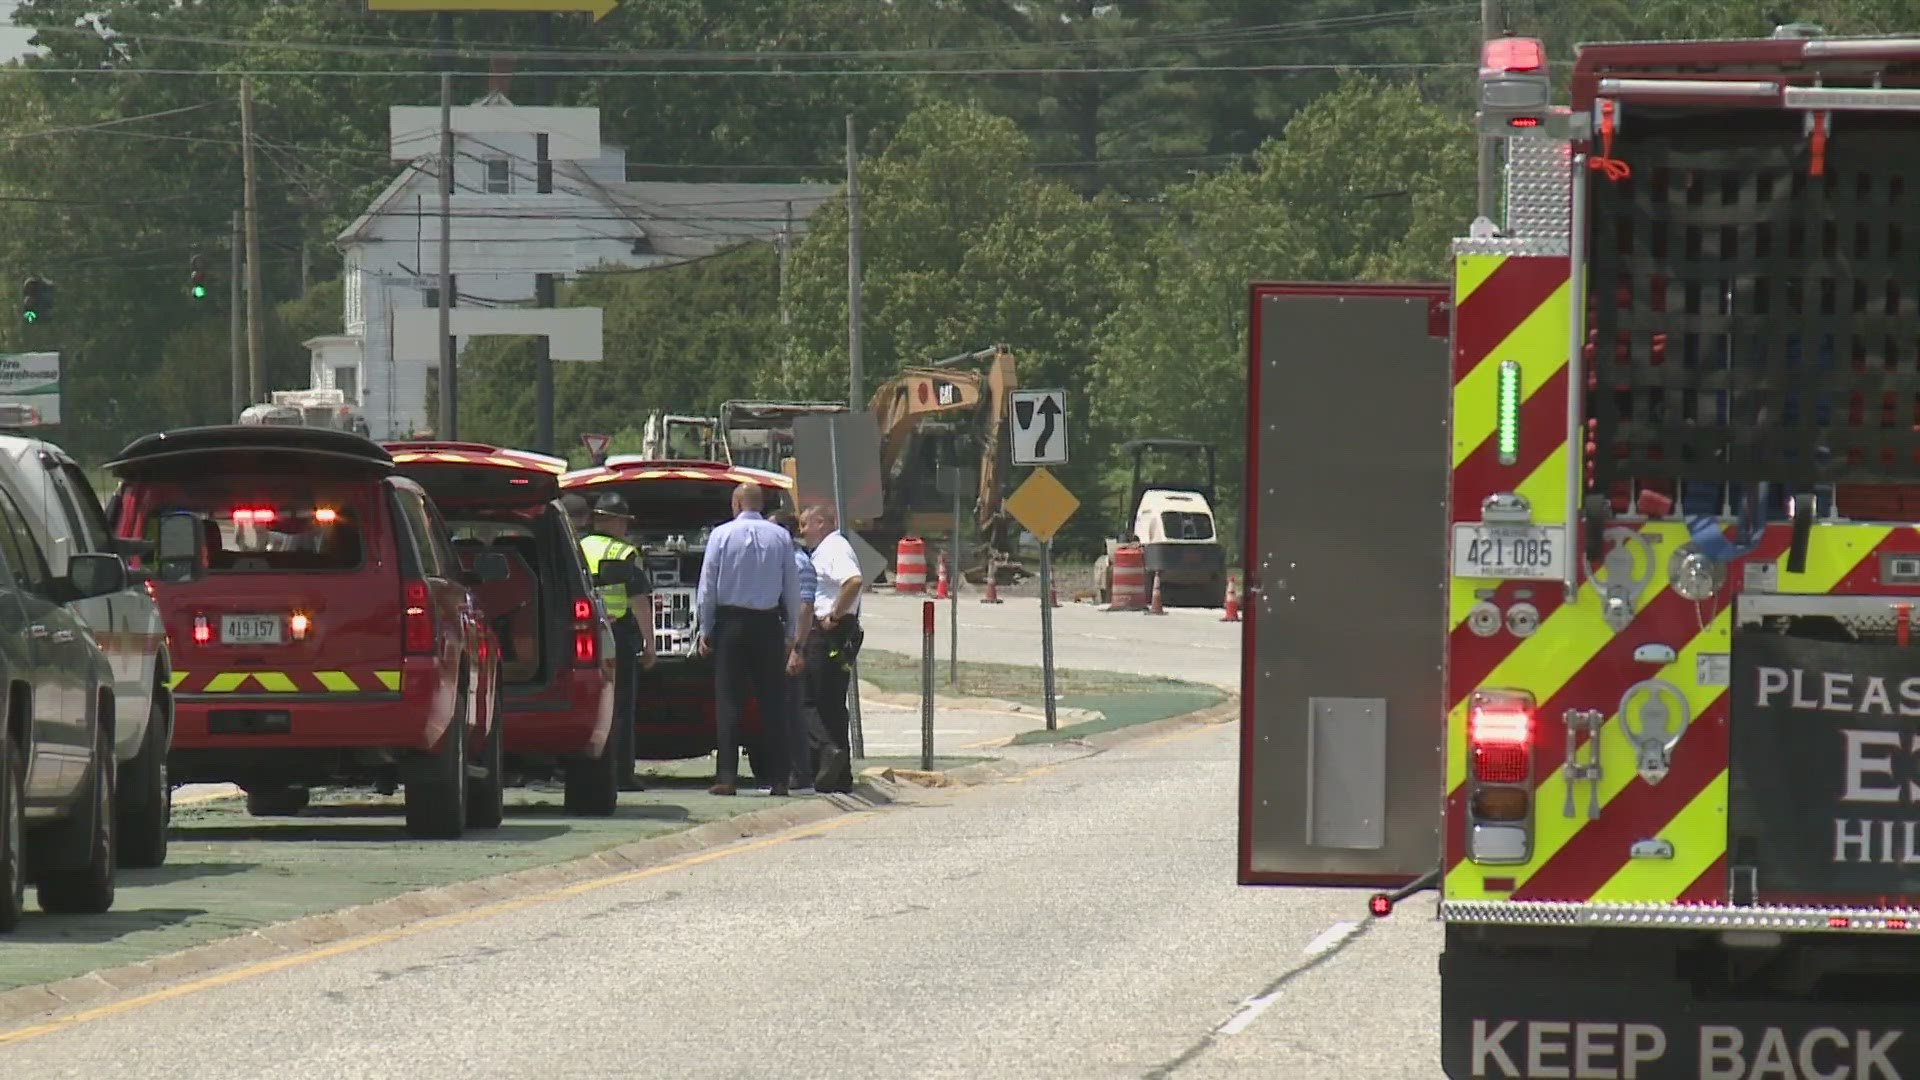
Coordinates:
1232	614
940	589
1156	609
993	584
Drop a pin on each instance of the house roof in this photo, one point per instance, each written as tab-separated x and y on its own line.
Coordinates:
678	220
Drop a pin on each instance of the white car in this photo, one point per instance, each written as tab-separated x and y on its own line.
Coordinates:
67	519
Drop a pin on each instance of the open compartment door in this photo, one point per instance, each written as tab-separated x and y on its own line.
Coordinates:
1343	717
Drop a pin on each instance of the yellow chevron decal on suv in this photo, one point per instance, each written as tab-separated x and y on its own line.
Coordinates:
337	681
390	678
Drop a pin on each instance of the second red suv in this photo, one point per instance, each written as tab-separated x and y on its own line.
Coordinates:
323	630
557	661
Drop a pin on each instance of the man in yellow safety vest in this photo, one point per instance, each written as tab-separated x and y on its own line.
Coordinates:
603	531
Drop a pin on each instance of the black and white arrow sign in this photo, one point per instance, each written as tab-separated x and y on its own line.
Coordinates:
1039	427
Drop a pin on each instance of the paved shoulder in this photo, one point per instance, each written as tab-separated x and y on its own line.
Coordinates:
1079	921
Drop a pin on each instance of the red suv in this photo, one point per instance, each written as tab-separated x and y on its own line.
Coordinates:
321	627
556	646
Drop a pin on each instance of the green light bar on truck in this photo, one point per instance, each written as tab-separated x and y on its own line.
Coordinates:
1507	431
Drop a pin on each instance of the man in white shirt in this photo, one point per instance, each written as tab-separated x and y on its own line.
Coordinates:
830	649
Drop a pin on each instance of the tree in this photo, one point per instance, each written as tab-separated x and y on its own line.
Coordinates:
1320	205
679	339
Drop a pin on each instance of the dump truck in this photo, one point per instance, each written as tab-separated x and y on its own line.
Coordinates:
1589	607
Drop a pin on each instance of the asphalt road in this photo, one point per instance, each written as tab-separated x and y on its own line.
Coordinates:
1082	922
1184	643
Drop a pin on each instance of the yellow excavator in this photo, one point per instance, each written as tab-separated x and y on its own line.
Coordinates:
952	412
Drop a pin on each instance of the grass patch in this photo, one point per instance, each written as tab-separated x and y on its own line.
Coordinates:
899	673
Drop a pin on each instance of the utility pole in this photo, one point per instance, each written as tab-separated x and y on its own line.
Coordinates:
543	292
236	320
856	389
1488	203
256	286
449	405
786	318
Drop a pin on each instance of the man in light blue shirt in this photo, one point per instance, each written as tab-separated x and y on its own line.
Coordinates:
799	747
749	605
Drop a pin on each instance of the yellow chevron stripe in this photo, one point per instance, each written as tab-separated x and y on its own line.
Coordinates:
1566	642
1539	344
225	682
1472	271
275	681
174	680
337	681
1698	835
389	679
1827	564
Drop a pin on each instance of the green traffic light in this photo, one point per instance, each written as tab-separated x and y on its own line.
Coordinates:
31	316
199	292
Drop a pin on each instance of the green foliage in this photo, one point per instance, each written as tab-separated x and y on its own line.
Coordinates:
682	338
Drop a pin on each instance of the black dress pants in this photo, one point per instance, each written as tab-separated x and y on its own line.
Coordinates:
827	673
749	662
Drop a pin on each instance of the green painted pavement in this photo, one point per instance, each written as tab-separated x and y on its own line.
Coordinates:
1124	710
228	873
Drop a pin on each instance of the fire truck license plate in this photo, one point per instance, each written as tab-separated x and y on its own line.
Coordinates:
249	629
1509	551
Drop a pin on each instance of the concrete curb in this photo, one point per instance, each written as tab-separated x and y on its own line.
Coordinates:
325	928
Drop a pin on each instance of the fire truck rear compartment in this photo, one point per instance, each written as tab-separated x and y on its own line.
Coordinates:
1752	312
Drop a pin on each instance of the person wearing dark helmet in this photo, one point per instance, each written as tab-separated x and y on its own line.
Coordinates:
602	529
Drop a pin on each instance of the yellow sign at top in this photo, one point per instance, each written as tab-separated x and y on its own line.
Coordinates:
1042	504
599	9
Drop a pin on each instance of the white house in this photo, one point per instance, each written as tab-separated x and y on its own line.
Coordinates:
504	231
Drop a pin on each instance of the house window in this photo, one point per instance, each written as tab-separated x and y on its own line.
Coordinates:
347	381
499	176
430	297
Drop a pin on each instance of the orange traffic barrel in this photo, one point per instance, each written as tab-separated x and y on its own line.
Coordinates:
1129	578
910	566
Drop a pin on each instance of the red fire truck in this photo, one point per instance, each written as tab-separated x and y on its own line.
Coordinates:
1594	613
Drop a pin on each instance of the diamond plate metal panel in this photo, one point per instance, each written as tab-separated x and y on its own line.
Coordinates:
1538	196
1546	246
1681	916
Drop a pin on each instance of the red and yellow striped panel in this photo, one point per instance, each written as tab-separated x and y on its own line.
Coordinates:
1516	308
352	680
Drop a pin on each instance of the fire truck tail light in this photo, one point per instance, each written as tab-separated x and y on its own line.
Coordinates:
417	623
1501	804
582	610
1511	54
1500	734
202	630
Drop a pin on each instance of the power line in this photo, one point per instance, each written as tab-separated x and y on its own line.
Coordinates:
824	73
1216	37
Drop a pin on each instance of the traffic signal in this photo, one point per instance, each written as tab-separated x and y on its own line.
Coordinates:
36	301
197	280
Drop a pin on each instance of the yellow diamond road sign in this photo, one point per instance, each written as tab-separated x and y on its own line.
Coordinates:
1042	504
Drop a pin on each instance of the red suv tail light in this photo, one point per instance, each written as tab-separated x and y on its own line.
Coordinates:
586	634
1500	787
418	620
